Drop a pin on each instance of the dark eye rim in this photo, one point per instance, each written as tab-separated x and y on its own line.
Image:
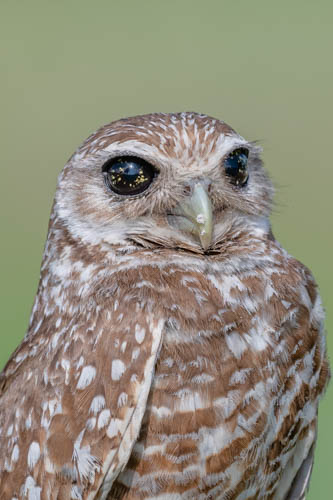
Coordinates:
241	150
127	158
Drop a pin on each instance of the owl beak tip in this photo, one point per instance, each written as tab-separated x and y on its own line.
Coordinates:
205	236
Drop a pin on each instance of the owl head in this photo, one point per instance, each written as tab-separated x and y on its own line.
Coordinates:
184	181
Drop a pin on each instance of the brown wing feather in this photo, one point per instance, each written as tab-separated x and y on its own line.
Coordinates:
72	402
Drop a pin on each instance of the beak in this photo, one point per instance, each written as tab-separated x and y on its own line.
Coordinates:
197	210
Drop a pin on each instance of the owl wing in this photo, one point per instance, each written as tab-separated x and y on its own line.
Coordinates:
301	482
72	402
303	385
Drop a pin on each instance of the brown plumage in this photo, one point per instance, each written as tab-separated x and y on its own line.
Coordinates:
175	350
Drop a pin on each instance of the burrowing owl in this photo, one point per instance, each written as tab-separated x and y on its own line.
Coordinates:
175	350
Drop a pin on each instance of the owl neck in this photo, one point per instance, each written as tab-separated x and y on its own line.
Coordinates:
76	277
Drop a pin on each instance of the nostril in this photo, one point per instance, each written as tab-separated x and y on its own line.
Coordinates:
209	188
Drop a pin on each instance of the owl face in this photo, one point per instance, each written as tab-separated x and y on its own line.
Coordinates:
184	181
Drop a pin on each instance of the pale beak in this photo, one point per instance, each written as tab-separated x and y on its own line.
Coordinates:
198	213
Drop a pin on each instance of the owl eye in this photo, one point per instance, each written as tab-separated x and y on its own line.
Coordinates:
128	175
235	166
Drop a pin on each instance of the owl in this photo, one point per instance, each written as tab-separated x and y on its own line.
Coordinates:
175	350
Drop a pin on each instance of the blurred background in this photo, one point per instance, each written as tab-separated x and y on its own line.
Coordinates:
69	66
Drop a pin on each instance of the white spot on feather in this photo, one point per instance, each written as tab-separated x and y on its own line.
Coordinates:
28	421
203	378
20	357
91	422
228	404
33	454
190	402
236	344
86	463
65	364
97	404
117	369
168	362
161	412
31	490
122	400
114	427
87	376
139	334
239	377
135	353
103	419
15	453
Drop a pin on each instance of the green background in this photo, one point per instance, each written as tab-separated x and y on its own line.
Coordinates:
265	67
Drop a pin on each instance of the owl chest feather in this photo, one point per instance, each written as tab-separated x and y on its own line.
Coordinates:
213	415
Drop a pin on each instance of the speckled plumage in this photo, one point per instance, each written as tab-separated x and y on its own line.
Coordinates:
153	368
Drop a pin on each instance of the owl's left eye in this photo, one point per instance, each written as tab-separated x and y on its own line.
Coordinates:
128	175
235	166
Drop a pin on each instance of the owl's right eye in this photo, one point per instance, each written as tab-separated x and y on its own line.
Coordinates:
128	175
235	166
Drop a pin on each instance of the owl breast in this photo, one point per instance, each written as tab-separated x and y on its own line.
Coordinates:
229	376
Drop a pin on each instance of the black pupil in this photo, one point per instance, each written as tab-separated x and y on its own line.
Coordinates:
128	175
236	166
